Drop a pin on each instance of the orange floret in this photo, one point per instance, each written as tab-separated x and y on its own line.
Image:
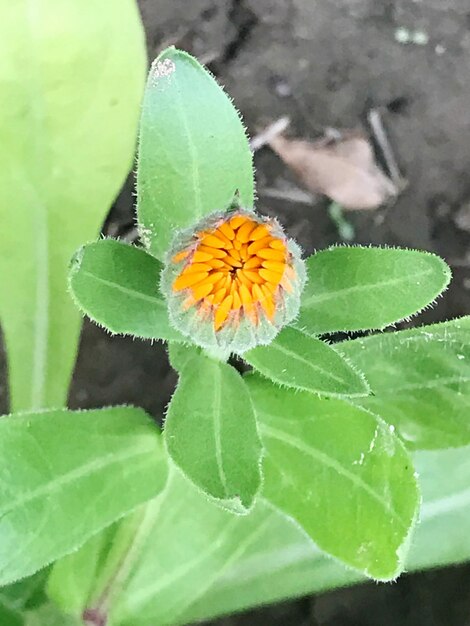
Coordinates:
236	267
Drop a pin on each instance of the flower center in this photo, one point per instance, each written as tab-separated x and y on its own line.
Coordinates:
239	267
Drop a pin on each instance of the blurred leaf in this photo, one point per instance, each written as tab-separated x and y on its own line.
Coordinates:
421	381
27	593
48	615
297	360
341	474
71	76
194	567
9	616
193	151
343	168
117	286
182	582
66	475
354	288
443	536
73	577
87	582
210	432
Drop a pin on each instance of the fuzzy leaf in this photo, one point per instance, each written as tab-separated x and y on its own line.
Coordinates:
282	563
54	462
361	288
180	353
193	151
299	361
117	286
195	567
211	433
341	474
72	75
421	381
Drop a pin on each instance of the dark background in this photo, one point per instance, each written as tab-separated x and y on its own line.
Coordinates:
326	63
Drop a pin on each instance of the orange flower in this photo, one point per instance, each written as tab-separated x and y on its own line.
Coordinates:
237	273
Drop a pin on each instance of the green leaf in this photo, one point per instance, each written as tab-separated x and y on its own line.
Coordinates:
66	475
361	288
193	151
9	616
262	557
179	354
187	566
48	615
282	563
198	566
204	562
341	474
421	381
211	435
26	593
91	579
443	536
73	578
299	361
117	286
72	76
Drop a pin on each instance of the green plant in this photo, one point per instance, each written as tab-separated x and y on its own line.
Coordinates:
262	476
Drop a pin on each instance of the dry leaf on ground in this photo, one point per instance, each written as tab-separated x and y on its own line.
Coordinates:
343	169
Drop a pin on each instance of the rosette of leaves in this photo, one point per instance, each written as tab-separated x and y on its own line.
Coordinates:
310	454
302	431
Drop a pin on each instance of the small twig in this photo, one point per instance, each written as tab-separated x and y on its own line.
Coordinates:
291	195
271	131
375	120
92	617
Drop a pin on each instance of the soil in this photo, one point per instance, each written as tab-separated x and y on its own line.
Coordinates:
326	64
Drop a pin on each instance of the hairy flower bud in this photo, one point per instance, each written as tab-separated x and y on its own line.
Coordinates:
233	281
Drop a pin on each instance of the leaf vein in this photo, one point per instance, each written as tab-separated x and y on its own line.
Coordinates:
391	282
126	290
217	430
65	479
328	461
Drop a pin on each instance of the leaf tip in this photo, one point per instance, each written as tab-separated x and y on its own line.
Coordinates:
76	260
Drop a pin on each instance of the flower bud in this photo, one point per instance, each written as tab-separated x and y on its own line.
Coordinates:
233	281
